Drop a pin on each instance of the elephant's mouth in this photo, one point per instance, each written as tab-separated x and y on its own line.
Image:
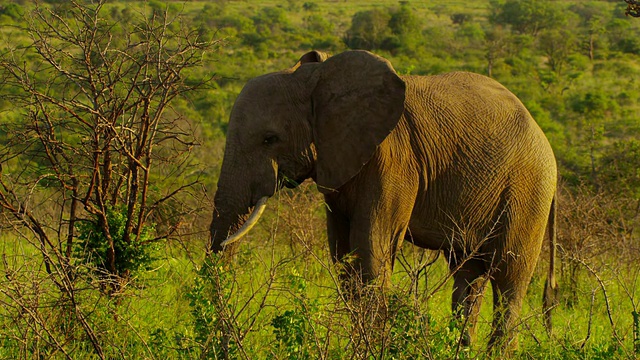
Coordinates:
285	181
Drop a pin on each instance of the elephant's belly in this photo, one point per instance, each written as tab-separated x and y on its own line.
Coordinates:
428	237
455	215
447	232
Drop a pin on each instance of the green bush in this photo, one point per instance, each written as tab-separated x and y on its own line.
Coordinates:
11	10
209	300
310	6
294	328
92	246
620	167
368	29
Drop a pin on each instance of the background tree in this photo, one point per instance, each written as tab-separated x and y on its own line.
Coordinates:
368	29
496	41
527	16
98	138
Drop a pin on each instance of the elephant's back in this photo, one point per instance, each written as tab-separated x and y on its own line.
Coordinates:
500	124
451	96
469	110
482	149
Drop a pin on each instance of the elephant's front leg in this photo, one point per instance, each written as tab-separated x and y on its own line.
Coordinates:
338	237
367	229
359	265
374	243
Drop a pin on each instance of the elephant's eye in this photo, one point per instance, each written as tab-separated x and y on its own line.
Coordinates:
270	139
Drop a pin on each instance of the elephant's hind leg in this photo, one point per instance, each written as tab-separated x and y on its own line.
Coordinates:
468	291
510	278
507	302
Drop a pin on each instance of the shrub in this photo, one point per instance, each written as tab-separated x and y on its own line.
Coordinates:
368	29
210	307
92	245
294	328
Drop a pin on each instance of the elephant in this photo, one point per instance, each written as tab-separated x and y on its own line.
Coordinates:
451	162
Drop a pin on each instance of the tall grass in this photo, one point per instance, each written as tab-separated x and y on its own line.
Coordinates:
280	299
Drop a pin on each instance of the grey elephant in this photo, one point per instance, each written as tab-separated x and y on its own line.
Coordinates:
452	162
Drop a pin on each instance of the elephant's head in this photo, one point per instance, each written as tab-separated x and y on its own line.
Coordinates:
321	119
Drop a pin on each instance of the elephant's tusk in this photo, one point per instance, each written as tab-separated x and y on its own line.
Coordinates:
253	219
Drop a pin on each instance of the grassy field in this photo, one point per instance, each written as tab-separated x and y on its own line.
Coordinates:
280	297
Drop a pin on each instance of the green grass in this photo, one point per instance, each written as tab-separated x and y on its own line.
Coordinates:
157	315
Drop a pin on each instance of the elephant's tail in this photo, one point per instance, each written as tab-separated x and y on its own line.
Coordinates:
551	285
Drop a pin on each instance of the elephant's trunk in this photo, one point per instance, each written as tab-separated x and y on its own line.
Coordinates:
240	199
231	210
221	226
250	223
231	222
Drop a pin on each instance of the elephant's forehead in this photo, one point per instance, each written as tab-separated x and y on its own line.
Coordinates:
264	88
263	96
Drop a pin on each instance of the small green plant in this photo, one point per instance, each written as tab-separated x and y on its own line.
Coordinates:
413	334
408	328
93	245
310	6
211	310
293	328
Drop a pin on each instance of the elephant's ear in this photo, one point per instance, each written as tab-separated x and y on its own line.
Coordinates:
311	57
357	102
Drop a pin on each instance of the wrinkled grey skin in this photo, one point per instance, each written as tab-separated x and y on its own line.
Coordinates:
451	162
